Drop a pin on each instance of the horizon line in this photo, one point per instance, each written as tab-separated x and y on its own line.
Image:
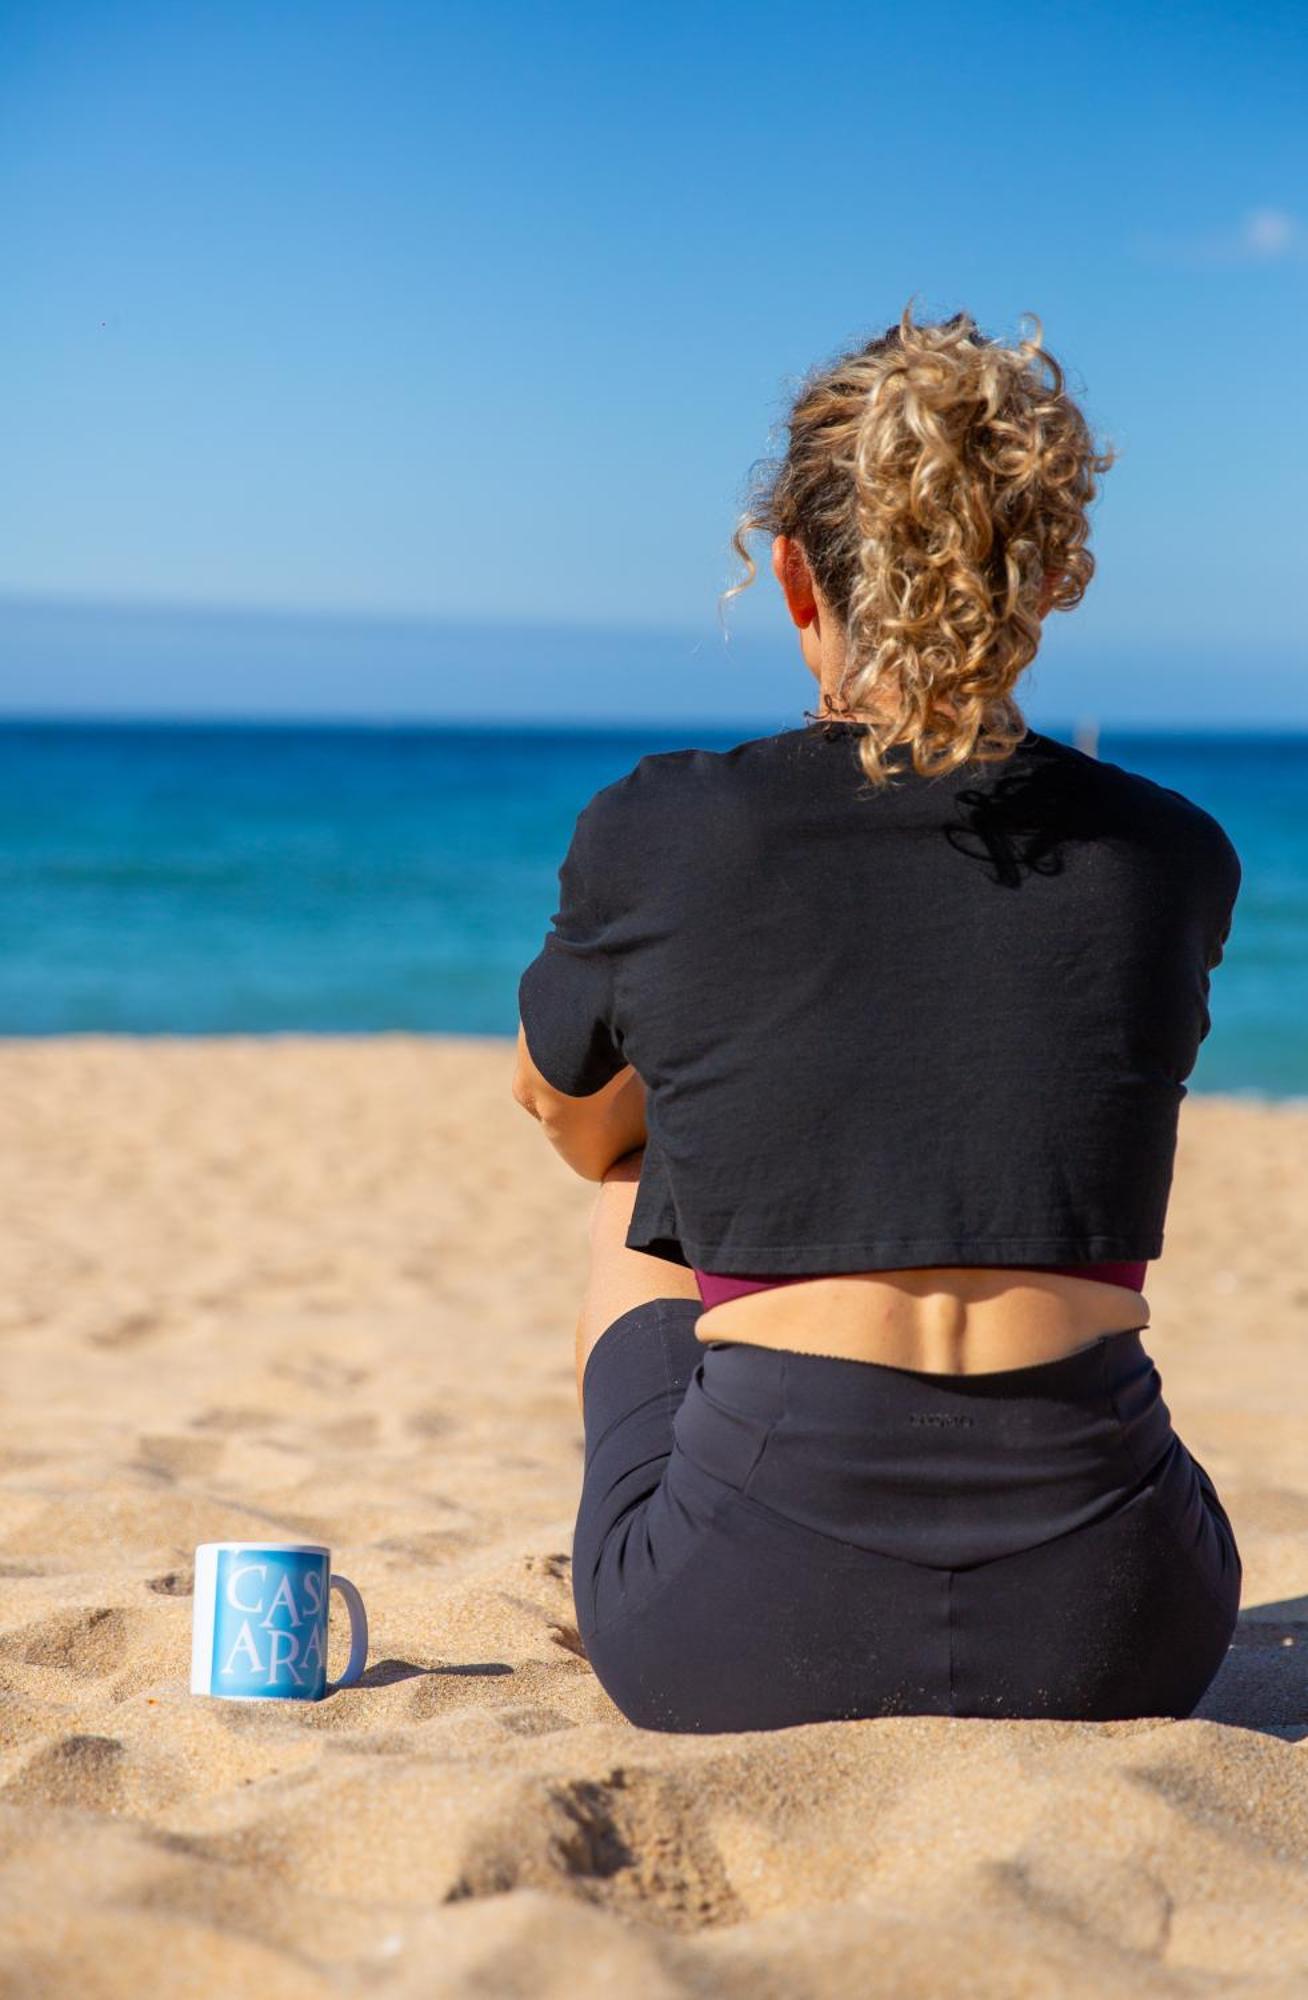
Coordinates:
565	726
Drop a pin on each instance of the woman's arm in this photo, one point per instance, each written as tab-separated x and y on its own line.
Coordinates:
589	1133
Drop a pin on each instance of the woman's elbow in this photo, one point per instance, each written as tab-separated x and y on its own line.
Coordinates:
524	1095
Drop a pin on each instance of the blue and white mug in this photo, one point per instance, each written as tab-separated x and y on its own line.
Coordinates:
259	1622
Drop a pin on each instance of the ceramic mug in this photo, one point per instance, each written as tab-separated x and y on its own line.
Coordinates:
259	1622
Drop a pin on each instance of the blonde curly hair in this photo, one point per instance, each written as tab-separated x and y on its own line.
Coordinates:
938	484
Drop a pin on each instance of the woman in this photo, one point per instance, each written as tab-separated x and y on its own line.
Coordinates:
874	1033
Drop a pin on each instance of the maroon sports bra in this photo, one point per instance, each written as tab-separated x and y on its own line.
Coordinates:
714	1288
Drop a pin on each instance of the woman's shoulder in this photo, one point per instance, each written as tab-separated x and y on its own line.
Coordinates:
1182	821
676	817
673	779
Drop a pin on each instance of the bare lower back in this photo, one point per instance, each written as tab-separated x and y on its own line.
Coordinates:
942	1321
945	1320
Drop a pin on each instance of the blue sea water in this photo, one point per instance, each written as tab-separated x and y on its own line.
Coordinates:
222	878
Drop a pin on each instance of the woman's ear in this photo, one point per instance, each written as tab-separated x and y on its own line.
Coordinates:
790	567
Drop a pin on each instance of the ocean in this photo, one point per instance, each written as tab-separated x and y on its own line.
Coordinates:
169	878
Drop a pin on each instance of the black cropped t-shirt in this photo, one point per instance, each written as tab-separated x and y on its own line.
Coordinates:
949	1023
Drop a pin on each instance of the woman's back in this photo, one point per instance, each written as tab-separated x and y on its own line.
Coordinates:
948	1023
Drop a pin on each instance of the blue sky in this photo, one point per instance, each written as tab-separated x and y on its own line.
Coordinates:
472	320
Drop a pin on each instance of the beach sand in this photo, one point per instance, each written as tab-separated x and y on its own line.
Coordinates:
326	1290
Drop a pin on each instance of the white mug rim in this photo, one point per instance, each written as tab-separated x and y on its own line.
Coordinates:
287	1548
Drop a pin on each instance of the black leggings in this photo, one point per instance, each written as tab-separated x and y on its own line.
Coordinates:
768	1538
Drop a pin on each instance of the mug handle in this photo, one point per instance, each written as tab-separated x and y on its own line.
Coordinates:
358	1659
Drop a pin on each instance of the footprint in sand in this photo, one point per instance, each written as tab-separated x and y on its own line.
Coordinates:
353	1433
429	1422
633	1842
556	1566
86	1643
173	1457
236	1417
173	1583
81	1771
534	1721
127	1331
320	1371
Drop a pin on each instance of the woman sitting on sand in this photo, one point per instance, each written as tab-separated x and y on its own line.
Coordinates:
874	1033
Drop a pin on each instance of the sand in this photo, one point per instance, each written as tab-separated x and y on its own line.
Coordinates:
326	1290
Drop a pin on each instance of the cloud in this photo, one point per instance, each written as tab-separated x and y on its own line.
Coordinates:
1261	236
1269	232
